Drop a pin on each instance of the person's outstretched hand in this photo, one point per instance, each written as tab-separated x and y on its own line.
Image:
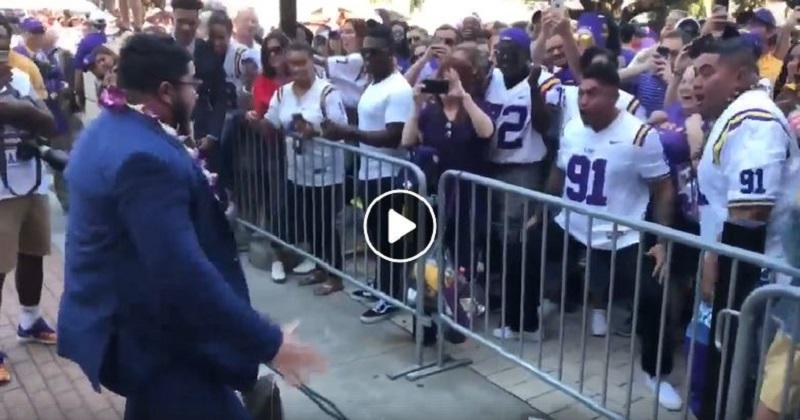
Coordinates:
297	361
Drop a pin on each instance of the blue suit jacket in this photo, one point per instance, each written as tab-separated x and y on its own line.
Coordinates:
152	274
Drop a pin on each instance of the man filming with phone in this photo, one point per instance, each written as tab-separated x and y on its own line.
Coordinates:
444	40
24	212
648	81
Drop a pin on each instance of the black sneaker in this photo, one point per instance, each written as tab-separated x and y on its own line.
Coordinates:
382	310
362	295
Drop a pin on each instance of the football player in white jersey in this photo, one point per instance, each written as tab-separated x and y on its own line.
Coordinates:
519	97
610	161
749	158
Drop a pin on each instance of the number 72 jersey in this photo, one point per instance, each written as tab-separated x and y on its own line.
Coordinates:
610	170
515	140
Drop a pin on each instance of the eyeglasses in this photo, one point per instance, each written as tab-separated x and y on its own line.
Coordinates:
195	83
275	50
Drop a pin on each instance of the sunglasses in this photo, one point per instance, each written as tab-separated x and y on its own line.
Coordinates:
415	39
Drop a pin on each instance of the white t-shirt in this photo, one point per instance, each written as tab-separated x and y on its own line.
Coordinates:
515	140
611	171
21	174
749	159
348	75
308	163
91	110
388	101
570	108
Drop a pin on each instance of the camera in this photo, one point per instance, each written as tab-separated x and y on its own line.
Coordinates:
37	148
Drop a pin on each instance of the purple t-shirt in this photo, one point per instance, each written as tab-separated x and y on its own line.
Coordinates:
457	144
677	152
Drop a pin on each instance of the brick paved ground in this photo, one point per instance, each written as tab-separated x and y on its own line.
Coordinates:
44	385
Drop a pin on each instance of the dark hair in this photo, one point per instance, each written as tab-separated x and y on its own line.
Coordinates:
402	50
7	26
612	41
604	72
626	32
520	25
147	60
306	32
221	18
736	50
359	25
100	50
594	52
380	31
781	82
446	27
187	4
299	46
279	36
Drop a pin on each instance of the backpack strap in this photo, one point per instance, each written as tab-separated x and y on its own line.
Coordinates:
326	91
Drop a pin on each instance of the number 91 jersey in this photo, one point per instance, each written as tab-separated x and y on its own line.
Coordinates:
515	140
610	171
749	159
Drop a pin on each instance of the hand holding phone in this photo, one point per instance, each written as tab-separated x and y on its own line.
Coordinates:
435	86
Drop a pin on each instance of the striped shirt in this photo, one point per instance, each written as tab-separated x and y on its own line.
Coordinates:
650	90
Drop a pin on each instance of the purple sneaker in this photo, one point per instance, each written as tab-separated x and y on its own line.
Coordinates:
39	332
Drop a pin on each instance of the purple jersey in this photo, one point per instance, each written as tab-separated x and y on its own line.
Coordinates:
677	152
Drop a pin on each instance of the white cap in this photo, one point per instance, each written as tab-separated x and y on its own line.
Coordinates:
97	16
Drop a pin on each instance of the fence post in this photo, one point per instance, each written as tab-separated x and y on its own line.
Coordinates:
730	293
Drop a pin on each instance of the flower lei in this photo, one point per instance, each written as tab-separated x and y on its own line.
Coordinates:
115	100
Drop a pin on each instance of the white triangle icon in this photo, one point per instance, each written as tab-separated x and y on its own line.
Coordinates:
399	226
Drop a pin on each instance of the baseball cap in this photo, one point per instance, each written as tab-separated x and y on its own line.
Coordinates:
764	16
32	26
516	36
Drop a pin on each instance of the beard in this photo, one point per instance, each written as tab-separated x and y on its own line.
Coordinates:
183	118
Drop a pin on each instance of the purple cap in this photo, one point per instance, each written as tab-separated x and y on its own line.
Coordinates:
32	26
517	36
764	16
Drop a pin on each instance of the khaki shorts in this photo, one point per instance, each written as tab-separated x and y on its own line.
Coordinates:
775	375
24	229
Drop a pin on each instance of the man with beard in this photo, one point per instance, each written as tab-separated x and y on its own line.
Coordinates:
155	304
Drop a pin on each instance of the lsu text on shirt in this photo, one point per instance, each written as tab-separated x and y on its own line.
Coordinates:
309	164
749	158
515	139
611	171
389	101
21	174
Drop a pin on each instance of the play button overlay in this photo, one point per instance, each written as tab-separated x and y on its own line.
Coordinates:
397	228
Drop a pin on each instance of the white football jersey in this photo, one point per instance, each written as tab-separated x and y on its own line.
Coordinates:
748	160
234	64
609	170
515	140
348	75
570	108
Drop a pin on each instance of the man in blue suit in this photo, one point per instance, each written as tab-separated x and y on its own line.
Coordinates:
155	305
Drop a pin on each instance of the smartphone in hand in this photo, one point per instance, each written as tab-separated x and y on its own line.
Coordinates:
435	86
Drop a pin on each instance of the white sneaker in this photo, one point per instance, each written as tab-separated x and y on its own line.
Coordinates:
305	267
507	333
278	272
599	323
547	309
667	396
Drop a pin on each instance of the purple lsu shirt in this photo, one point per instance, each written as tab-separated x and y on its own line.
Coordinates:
677	153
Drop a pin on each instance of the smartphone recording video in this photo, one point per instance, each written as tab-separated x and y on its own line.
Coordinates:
435	87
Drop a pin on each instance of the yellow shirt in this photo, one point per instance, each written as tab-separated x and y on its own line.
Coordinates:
769	67
27	66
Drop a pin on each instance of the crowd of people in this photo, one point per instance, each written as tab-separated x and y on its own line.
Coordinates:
689	125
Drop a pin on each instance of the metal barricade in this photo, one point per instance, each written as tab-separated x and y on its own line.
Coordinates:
597	370
756	335
307	197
